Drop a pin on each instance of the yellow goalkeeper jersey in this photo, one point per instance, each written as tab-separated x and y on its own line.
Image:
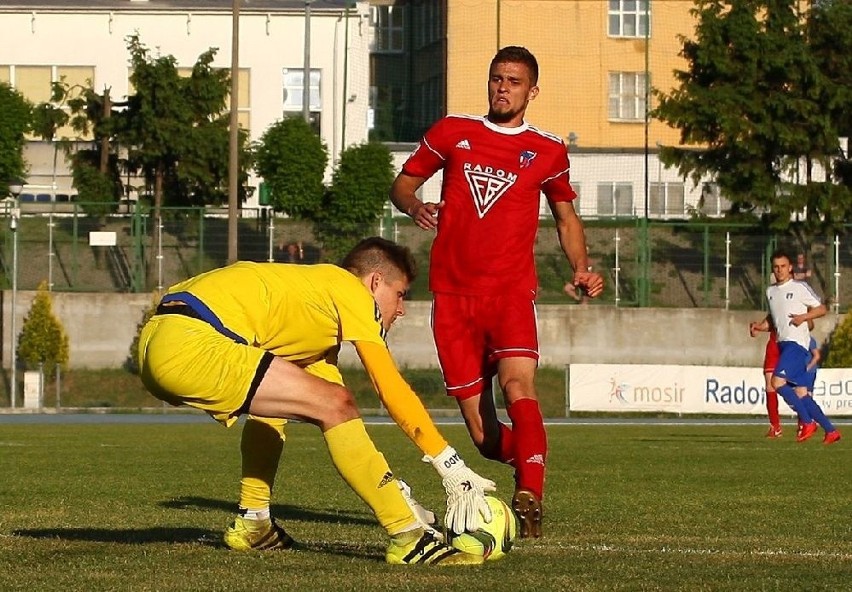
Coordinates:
297	312
302	313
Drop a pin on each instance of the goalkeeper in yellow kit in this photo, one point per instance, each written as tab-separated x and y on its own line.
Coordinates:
262	339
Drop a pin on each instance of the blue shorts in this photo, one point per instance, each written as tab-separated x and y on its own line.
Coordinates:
792	364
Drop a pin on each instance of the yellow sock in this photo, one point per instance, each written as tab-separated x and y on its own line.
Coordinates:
261	446
367	472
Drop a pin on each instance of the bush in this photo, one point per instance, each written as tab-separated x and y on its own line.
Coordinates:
42	340
840	345
291	158
353	205
132	363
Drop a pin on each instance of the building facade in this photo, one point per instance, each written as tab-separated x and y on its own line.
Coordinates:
84	43
599	60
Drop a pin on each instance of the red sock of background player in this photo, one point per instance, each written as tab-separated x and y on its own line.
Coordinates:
530	441
772	409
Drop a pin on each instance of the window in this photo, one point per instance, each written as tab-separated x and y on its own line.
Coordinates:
294	89
627	96
389	24
385	116
712	203
615	199
427	24
629	18
666	200
579	205
431	102
36	84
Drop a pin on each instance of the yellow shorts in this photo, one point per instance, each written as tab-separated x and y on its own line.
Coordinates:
185	361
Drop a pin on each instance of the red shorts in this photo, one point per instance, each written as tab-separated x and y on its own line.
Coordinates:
473	332
770	358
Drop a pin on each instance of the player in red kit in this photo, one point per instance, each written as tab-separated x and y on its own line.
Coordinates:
482	272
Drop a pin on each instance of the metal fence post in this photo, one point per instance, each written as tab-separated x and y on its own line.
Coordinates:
58	386
727	270
617	268
567	390
270	254
159	254
50	253
836	301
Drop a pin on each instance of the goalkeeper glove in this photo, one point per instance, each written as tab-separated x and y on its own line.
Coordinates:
465	492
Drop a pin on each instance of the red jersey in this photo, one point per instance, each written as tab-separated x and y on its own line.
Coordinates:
493	179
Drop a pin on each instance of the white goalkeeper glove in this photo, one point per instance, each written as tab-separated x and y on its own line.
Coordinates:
465	492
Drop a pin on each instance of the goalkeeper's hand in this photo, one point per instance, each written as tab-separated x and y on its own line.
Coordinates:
465	492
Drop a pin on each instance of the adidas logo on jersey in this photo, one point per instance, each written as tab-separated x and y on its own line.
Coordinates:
464	144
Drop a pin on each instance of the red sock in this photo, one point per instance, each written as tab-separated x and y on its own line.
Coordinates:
507	445
772	408
530	443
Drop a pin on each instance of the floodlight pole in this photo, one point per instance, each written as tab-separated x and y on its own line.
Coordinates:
306	75
234	139
15	189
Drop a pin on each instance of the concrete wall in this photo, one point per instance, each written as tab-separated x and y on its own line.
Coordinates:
101	328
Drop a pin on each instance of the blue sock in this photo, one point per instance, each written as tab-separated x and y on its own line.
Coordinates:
796	404
816	412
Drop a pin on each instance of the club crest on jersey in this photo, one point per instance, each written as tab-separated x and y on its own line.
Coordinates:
527	158
487	185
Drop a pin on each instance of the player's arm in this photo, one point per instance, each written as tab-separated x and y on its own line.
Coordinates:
403	196
572	239
814	312
465	489
816	357
403	405
756	327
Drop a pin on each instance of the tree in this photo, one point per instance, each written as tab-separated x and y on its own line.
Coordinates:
43	341
291	158
95	170
752	108
15	120
830	39
176	128
132	363
840	345
354	203
49	117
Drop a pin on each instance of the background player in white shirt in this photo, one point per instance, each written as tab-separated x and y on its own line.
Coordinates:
792	304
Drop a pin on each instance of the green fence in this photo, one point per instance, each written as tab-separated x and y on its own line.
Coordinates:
660	264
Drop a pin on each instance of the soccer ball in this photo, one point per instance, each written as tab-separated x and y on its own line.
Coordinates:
492	540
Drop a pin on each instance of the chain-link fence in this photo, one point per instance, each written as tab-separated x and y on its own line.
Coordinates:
658	264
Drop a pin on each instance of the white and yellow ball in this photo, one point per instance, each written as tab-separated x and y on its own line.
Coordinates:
492	540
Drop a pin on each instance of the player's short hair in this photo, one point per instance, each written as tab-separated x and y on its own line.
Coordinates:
379	254
781	254
517	55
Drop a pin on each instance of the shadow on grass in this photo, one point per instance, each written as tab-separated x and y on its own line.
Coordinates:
281	511
197	536
129	536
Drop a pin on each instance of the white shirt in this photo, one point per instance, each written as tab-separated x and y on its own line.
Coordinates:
793	297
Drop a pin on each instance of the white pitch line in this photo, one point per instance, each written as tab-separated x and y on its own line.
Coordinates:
688	551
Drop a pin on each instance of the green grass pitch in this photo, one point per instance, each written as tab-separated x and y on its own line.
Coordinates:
649	507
